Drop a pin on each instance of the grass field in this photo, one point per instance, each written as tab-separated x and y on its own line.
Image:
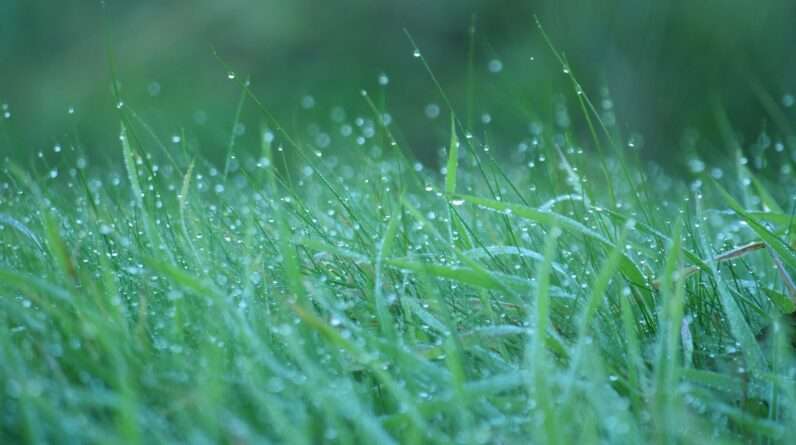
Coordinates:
329	288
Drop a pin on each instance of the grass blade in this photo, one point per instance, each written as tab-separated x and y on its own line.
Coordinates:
785	252
627	266
453	161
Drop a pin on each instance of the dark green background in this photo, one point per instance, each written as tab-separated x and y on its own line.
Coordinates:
662	61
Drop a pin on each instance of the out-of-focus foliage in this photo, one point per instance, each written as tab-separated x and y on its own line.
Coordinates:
662	63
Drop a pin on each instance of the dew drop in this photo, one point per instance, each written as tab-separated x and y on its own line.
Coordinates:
495	66
307	102
432	111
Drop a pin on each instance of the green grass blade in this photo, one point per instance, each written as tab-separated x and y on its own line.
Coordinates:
772	241
627	266
453	161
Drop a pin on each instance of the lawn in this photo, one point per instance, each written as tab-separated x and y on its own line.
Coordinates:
326	286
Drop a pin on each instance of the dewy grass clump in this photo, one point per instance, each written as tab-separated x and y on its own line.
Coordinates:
297	294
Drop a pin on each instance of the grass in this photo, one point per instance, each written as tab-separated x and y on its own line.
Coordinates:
294	294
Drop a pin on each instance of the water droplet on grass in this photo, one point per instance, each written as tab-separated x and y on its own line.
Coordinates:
696	165
432	111
307	102
153	89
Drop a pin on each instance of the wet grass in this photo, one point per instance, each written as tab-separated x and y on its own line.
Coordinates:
343	292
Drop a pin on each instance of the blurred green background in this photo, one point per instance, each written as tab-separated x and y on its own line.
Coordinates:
659	62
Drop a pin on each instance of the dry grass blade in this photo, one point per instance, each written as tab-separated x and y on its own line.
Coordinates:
726	256
786	278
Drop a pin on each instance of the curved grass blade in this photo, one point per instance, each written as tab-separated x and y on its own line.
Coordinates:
466	275
15	224
784	304
490	251
626	265
693	257
785	252
784	221
30	285
326	248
